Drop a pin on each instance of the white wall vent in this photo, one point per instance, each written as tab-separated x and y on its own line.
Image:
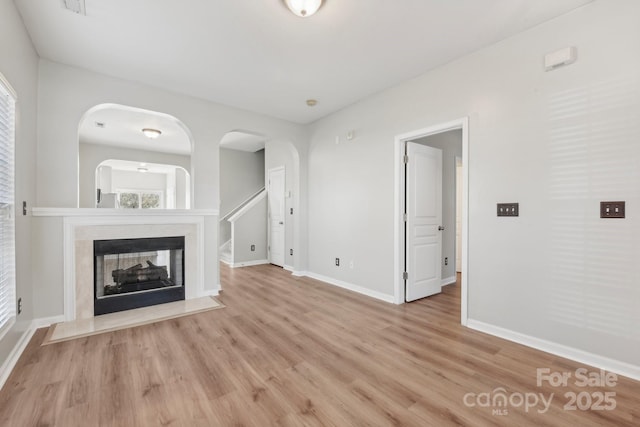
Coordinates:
75	6
560	58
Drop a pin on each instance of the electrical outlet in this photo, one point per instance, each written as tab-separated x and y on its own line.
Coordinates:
19	305
291	252
291	211
337	262
253	248
446	260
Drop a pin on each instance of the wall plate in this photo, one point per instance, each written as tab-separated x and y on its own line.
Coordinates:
508	209
612	209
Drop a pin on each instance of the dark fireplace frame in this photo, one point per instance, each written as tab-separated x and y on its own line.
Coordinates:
129	301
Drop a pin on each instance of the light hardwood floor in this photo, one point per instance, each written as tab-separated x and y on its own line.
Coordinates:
294	352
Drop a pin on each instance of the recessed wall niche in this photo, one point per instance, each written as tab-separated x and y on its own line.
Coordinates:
116	160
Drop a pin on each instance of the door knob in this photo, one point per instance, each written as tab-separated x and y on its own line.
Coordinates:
440	228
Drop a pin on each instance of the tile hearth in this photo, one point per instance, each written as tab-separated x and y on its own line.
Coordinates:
126	319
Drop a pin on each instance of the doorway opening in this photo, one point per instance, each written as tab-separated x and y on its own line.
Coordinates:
448	265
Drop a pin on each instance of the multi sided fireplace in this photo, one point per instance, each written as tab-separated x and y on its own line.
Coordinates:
133	273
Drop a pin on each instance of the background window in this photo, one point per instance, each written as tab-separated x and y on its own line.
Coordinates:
140	199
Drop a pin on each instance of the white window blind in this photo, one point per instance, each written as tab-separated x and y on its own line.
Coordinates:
7	207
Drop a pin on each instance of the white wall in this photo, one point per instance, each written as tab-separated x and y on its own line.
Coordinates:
182	183
241	176
18	64
556	142
251	229
451	145
92	155
66	93
133	180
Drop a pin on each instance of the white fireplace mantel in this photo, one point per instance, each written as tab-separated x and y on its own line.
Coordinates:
142	213
86	224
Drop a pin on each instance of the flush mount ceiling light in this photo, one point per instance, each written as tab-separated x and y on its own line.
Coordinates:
143	170
312	102
303	8
151	133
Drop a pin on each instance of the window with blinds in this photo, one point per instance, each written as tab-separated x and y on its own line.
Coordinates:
7	203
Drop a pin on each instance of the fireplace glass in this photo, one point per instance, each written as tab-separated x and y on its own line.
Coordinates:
132	273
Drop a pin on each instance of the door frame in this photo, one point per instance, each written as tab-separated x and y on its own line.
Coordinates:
399	205
284	215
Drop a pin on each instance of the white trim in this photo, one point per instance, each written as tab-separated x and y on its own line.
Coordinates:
246	208
600	362
45	322
351	287
399	141
284	214
7	326
14	355
288	268
249	263
228	262
247	200
8	87
23	341
299	273
211	292
100	212
448	281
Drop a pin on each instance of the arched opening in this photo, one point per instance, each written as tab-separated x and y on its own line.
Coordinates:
116	158
268	229
140	185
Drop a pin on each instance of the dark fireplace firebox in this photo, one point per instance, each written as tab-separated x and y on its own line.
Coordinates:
133	273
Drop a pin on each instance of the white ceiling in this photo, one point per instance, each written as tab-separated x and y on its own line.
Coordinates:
243	141
123	128
129	166
256	55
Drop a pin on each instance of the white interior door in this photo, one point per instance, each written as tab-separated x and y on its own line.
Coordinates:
275	196
423	237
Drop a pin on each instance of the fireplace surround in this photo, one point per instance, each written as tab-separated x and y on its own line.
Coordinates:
70	288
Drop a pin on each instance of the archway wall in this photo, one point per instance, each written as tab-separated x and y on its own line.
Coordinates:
67	93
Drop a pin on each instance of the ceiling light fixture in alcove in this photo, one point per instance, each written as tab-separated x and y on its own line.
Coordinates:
151	133
303	8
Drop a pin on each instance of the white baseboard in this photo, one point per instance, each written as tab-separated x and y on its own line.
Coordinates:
249	263
12	359
229	263
351	287
600	362
18	349
299	273
288	268
448	281
46	321
211	292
